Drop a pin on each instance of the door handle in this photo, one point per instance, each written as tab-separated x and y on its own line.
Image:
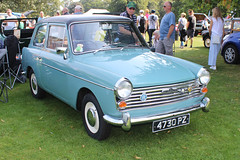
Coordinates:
39	59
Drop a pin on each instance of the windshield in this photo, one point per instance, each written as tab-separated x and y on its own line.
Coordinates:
88	37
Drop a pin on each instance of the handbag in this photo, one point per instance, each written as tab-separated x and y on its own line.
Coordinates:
180	27
215	39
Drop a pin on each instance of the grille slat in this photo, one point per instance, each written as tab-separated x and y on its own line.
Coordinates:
165	94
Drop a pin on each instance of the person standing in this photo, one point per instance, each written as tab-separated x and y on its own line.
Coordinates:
130	10
10	25
65	11
147	15
167	31
182	28
142	23
153	25
125	29
41	16
78	9
191	26
205	24
216	30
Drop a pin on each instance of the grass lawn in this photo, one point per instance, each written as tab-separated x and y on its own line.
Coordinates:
50	129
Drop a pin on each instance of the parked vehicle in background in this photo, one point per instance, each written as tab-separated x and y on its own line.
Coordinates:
205	33
3	15
199	19
231	44
101	65
24	28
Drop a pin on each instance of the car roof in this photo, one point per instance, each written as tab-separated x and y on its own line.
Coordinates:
68	19
236	19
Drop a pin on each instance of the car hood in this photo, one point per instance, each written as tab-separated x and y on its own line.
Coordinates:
141	66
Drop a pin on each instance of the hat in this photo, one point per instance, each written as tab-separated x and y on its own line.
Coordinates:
131	4
141	11
153	11
78	7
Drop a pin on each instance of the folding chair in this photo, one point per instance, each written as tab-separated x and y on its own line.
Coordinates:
13	66
3	86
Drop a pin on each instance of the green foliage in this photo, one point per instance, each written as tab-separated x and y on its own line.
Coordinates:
95	4
117	6
179	6
48	7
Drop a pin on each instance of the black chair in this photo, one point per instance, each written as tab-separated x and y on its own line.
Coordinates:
13	65
3	78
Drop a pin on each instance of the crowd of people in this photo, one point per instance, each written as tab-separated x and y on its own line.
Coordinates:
162	35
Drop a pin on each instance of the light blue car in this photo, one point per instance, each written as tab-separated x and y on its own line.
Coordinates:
102	66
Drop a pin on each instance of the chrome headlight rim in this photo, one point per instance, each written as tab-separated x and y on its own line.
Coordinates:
118	85
203	76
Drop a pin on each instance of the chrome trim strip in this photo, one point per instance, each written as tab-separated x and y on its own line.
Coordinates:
165	86
75	76
154	104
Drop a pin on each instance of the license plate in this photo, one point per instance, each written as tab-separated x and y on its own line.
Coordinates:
171	122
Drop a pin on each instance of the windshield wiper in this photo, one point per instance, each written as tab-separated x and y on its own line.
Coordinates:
106	49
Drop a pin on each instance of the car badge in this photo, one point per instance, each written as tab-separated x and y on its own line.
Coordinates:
143	97
190	89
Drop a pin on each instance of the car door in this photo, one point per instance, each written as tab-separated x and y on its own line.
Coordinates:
36	50
54	65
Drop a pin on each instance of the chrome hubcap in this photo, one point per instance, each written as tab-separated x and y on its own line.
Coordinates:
207	42
91	117
34	84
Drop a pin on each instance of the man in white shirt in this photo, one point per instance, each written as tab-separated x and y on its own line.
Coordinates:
10	25
153	25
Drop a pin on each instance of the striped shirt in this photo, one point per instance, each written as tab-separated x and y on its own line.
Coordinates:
133	18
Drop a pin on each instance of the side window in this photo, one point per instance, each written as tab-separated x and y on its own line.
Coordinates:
57	37
40	36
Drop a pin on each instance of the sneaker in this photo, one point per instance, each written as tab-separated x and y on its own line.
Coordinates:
185	45
191	46
213	67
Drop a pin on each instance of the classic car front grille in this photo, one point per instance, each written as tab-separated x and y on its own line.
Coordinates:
164	94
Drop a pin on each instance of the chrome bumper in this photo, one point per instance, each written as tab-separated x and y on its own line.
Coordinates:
126	121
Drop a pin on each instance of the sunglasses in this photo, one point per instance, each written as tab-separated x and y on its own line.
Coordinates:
132	8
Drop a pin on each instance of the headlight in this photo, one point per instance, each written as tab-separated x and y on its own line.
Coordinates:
204	76
123	88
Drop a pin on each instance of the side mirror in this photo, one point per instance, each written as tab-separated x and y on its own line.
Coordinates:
60	50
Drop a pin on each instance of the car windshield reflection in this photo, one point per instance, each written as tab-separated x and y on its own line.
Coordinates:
97	36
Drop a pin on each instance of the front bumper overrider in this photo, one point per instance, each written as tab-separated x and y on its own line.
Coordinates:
126	121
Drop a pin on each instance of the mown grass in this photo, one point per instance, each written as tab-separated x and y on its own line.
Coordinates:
50	129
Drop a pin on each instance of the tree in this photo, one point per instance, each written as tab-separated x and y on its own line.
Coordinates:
48	7
95	4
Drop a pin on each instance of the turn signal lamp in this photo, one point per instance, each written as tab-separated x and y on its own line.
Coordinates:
204	90
122	104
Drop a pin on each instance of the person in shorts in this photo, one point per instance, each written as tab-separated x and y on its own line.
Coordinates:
167	31
191	25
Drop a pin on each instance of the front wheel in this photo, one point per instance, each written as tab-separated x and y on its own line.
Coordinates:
36	91
92	116
230	54
207	41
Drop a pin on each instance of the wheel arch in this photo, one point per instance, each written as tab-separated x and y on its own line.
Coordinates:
28	71
81	93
